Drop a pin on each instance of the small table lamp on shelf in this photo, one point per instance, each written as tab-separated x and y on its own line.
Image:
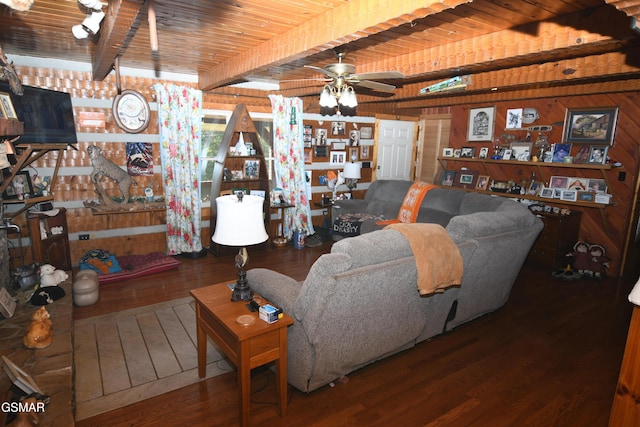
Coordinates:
351	173
240	222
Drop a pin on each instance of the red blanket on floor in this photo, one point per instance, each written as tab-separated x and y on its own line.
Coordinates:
134	266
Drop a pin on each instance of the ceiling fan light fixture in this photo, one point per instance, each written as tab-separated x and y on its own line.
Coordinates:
327	98
348	98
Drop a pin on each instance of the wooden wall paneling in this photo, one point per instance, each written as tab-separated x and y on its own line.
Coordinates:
435	132
610	229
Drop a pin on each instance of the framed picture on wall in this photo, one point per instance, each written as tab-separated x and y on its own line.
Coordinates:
308	156
481	124
590	125
365	152
366	132
337	157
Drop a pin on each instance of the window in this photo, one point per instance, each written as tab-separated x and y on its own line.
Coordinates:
213	126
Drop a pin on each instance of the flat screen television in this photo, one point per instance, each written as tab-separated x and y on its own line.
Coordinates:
47	115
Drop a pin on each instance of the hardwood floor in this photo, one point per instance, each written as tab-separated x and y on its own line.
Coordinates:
550	357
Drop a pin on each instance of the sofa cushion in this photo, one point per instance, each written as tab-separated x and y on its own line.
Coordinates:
510	216
374	248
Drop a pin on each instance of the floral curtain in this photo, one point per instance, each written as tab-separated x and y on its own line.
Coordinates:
288	150
180	123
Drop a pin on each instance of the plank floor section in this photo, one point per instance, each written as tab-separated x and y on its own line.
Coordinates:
125	357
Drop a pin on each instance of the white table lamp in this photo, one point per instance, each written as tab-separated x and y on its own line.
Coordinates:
240	222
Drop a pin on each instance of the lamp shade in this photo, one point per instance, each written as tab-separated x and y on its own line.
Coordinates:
352	170
239	223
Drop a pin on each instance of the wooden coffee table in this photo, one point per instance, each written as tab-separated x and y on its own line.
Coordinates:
247	346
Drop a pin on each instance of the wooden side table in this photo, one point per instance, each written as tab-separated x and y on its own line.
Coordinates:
246	346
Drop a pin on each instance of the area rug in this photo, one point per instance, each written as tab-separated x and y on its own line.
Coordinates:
125	357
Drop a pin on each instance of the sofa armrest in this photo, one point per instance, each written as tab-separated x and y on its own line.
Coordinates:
349	206
278	288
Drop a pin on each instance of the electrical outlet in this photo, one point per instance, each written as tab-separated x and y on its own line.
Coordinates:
83	237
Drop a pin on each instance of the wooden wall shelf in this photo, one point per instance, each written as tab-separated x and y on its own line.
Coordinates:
26	155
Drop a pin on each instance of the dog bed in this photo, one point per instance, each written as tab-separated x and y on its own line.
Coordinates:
134	266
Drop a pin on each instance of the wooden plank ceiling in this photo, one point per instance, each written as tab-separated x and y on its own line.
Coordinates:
504	45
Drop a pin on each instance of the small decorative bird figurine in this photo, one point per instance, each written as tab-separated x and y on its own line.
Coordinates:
242	258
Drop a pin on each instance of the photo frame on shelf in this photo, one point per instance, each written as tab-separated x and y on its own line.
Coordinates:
466	178
19	188
559	182
582	156
546	193
235	191
579	184
483	182
481	124
6	106
484	153
507	154
597	185
447	152
353	153
448	178
598	154
569	195
237	175
534	188
560	151
251	169
586	196
468	152
590	125
521	151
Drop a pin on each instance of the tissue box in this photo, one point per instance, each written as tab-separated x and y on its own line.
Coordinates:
269	313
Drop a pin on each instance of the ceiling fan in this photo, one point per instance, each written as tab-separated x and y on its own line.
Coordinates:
341	74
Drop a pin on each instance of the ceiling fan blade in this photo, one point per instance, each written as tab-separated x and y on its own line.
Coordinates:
311	79
321	70
383	75
382	87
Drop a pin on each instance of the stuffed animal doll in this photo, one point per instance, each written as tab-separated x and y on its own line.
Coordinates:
49	276
39	334
598	261
581	262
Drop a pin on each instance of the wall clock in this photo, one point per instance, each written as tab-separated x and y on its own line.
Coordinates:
131	111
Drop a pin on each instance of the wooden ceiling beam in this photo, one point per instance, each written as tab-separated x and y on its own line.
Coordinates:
569	36
118	28
630	7
588	72
354	20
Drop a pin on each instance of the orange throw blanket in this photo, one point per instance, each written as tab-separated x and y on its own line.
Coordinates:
410	208
438	259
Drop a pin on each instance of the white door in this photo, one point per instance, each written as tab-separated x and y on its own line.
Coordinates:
396	140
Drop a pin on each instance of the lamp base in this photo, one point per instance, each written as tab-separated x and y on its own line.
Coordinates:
241	290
